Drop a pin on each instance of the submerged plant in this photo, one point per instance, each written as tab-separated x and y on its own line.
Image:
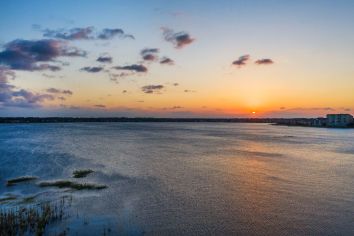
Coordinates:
81	173
20	179
72	185
8	198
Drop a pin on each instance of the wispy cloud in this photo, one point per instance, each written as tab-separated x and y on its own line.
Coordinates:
134	67
70	34
149	54
86	33
107	33
59	91
241	61
167	61
105	59
93	69
179	39
152	88
265	61
11	96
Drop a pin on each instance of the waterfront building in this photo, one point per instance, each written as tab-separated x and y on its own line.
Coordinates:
339	120
319	122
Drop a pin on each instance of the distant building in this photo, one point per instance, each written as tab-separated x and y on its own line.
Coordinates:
319	122
339	120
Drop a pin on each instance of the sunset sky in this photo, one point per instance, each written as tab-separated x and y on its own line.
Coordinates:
176	58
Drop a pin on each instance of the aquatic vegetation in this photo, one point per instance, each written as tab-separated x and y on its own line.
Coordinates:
29	199
7	198
30	220
82	173
72	185
20	179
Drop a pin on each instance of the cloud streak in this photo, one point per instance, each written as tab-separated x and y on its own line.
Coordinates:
265	61
104	59
86	33
71	34
93	69
59	91
134	67
149	89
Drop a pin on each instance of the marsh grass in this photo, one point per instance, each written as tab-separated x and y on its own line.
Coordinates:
31	220
29	199
72	185
20	179
82	173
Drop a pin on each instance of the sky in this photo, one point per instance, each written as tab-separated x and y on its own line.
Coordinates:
155	58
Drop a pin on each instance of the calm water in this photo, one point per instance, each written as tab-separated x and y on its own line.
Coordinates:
192	178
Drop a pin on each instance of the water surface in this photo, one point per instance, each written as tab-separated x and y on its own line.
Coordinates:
192	178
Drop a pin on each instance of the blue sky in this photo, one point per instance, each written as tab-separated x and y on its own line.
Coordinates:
310	44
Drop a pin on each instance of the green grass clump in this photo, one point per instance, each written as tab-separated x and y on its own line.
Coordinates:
72	185
81	173
14	181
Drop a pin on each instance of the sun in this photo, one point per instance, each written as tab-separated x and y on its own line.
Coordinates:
253	112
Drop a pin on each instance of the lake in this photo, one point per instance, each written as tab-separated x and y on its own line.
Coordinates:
187	178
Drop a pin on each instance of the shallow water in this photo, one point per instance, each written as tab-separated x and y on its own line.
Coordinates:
192	178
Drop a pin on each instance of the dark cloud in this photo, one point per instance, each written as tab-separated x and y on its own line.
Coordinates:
189	91
93	69
149	54
71	34
175	84
166	61
27	54
179	39
265	61
106	34
152	88
124	91
149	50
59	91
241	61
149	57
28	99
105	59
134	67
